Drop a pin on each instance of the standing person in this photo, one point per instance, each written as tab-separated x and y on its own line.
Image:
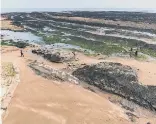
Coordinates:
74	54
131	50
136	53
22	55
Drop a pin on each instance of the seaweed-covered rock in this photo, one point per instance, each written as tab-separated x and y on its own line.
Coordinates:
21	44
118	79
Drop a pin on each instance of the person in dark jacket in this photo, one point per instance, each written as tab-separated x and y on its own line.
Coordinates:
22	54
136	53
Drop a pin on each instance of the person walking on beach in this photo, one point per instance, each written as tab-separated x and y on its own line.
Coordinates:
74	54
131	50
22	55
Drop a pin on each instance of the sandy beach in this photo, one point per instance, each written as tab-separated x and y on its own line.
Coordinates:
38	100
29	96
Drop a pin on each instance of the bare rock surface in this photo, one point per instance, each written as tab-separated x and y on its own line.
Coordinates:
55	55
50	73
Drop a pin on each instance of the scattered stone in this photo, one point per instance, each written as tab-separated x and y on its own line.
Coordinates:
77	59
83	64
131	116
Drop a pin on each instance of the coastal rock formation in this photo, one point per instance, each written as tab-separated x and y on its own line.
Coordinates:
50	73
21	44
118	79
55	55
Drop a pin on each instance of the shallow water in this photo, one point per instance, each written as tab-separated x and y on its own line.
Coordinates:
17	36
66	46
62	45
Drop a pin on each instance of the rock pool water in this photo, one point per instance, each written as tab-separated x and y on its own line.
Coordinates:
19	36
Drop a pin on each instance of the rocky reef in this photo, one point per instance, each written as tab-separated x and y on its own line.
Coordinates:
55	74
19	44
118	79
55	55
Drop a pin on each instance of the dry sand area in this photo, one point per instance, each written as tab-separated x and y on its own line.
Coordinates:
37	100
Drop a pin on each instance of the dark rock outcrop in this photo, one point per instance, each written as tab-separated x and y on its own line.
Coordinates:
118	79
55	55
21	44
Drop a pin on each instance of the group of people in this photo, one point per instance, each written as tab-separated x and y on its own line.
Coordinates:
136	52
